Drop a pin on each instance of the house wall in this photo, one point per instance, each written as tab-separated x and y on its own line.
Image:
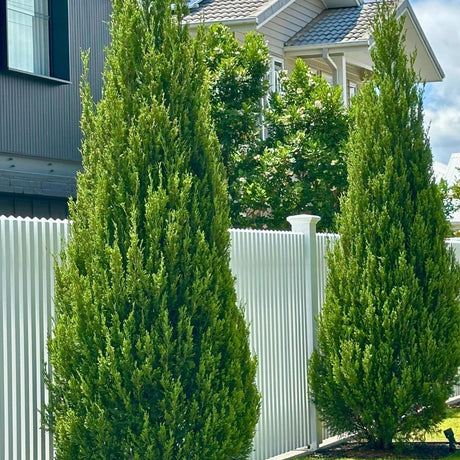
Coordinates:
39	118
37	206
287	23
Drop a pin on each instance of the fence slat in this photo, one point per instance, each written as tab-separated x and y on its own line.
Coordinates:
27	283
271	284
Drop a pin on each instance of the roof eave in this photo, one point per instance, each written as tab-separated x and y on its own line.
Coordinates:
404	7
341	3
300	50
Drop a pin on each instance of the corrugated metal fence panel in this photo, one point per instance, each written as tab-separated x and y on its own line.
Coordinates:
324	241
271	285
455	244
27	247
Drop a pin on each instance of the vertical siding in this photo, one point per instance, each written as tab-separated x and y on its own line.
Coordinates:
41	119
27	282
271	286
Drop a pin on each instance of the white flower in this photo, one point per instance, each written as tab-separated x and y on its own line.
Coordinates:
299	90
318	104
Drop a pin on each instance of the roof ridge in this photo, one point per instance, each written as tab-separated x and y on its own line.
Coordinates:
267	4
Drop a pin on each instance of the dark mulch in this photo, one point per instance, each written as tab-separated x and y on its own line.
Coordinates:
416	450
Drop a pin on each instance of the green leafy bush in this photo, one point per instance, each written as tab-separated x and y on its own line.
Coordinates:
302	168
237	85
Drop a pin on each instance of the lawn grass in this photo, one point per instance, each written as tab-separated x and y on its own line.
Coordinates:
452	421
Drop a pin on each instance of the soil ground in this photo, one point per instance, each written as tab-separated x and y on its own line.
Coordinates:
409	450
434	446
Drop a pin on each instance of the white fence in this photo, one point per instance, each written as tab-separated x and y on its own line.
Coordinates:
26	288
272	283
455	244
280	278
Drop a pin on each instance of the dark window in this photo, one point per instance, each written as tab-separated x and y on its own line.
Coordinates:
35	38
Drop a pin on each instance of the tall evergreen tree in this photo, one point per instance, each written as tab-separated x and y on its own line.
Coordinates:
150	352
388	348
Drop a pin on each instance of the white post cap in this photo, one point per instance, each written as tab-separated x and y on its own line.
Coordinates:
302	222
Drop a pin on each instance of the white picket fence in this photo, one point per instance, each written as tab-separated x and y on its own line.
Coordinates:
280	278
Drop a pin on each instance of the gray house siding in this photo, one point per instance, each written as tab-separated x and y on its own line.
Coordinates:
287	23
39	117
41	207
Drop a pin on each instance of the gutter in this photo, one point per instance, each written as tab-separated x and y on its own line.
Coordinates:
332	65
293	50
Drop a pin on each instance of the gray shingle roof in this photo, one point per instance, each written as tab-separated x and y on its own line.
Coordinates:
337	25
225	10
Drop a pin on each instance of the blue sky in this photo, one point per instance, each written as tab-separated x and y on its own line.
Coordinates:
440	20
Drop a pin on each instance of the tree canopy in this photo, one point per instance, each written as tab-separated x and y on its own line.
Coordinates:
150	351
388	348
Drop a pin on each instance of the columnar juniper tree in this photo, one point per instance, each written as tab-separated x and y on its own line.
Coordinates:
388	348
150	352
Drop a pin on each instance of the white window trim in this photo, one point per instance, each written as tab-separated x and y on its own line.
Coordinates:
273	71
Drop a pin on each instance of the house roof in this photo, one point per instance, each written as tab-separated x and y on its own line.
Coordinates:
344	24
350	28
225	10
337	25
234	11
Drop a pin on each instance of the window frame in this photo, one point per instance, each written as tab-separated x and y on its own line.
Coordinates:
275	81
59	60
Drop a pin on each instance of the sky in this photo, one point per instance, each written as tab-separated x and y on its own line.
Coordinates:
440	20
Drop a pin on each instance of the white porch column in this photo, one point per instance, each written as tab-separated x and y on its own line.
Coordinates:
341	63
306	224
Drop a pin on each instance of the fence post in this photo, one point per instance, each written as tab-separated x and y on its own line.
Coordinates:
306	224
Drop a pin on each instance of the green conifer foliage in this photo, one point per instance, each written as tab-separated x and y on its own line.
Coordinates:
150	351
388	348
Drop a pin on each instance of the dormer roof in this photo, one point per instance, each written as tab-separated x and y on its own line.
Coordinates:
337	25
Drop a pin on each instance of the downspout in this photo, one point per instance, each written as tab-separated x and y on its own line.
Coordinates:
332	65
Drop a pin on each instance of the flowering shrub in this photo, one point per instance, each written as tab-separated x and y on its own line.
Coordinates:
302	166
